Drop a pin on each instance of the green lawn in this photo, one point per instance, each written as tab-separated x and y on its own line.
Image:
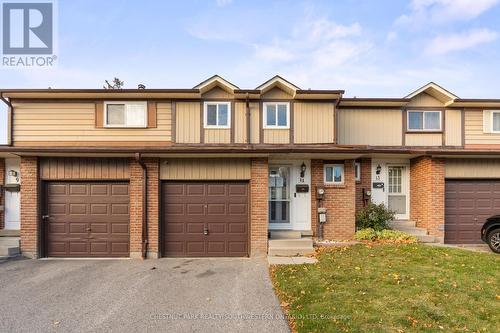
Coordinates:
392	288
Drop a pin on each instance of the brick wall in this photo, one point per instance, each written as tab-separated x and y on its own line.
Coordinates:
339	200
259	207
427	194
365	182
2	195
29	207
152	165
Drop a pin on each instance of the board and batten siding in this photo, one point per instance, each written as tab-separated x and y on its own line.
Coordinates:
277	136
424	139
453	127
314	122
56	123
217	135
473	168
424	100
187	122
376	127
84	168
205	169
240	122
477	127
254	122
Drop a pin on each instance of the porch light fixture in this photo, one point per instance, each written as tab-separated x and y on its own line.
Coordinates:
302	170
379	169
13	173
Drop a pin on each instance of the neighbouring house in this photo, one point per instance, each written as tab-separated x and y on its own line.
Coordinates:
214	170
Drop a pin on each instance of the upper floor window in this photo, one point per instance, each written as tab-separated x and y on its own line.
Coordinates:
276	115
495	121
125	114
334	174
424	120
217	114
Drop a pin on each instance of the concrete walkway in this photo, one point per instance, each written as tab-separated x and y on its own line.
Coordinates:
469	247
165	295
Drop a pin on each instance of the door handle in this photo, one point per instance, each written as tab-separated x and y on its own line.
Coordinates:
88	229
205	231
45	217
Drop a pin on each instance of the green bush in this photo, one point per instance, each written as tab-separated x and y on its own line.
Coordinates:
374	216
369	234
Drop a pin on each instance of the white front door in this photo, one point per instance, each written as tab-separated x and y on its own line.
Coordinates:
397	190
12	212
289	209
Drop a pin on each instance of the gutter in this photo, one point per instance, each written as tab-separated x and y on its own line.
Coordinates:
10	110
144	249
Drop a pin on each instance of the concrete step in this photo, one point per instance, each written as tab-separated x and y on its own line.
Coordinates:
290	251
412	231
9	251
9	233
288	243
402	223
9	241
426	239
285	234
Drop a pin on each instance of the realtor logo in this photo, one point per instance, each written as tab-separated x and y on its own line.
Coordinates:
28	29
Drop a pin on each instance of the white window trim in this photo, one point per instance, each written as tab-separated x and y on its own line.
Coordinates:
491	120
423	120
357	166
333	176
105	116
264	118
205	108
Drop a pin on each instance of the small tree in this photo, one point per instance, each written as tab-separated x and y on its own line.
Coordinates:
117	84
374	216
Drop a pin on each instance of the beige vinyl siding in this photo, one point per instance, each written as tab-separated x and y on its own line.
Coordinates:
276	93
240	123
472	168
424	100
205	169
276	136
424	139
313	122
75	122
217	135
254	122
453	127
74	168
187	129
475	128
376	127
217	92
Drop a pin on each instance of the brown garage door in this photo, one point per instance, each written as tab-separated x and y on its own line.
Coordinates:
468	203
87	219
205	219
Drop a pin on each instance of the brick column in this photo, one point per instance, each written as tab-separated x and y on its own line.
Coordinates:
152	165
427	194
339	200
29	207
2	195
259	207
365	182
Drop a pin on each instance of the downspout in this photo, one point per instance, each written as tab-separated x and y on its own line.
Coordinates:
248	117
10	109
144	249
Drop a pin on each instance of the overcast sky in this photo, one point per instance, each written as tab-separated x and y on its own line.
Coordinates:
383	48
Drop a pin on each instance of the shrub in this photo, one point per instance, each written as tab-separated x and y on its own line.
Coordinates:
396	236
374	216
365	234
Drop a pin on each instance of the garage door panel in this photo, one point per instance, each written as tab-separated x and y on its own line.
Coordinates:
188	208
86	218
468	203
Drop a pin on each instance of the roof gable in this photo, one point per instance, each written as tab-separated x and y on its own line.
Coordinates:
435	91
278	81
215	81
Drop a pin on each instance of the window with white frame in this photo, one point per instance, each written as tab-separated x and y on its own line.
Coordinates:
125	114
495	121
424	120
357	171
217	114
276	115
334	173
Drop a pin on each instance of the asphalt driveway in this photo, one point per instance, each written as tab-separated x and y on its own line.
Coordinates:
175	295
